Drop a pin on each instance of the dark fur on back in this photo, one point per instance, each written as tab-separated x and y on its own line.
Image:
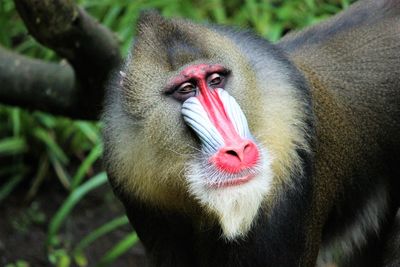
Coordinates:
352	63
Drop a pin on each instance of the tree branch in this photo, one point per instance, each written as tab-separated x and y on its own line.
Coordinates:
91	49
35	84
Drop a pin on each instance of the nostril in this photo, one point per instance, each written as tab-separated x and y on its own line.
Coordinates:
239	152
232	153
246	147
236	158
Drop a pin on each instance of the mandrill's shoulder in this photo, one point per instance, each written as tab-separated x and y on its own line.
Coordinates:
352	63
353	54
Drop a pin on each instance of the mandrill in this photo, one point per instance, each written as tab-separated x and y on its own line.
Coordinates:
227	150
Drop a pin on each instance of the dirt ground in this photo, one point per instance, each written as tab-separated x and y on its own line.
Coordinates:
23	227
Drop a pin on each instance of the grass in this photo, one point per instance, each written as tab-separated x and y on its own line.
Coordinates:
35	146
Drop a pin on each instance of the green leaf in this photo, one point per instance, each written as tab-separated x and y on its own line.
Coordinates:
9	186
80	259
218	11
40	175
120	248
16	121
99	232
18	263
94	155
52	146
91	132
61	172
13	146
70	203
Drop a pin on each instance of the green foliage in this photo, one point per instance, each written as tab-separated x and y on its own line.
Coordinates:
99	232
35	146
19	263
59	258
69	203
32	215
120	248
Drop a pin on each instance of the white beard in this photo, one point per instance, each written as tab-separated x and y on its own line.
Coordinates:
235	206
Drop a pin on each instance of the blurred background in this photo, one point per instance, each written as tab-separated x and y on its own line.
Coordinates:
56	207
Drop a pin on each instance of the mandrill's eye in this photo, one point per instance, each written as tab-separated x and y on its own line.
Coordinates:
184	91
186	88
215	80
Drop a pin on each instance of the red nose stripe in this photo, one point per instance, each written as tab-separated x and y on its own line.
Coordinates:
210	100
214	107
238	153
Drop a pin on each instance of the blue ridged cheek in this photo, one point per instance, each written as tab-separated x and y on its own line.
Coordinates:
196	117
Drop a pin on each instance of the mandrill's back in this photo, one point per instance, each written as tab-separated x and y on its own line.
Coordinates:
354	59
352	63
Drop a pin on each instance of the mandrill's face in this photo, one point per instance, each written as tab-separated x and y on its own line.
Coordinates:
190	123
228	174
